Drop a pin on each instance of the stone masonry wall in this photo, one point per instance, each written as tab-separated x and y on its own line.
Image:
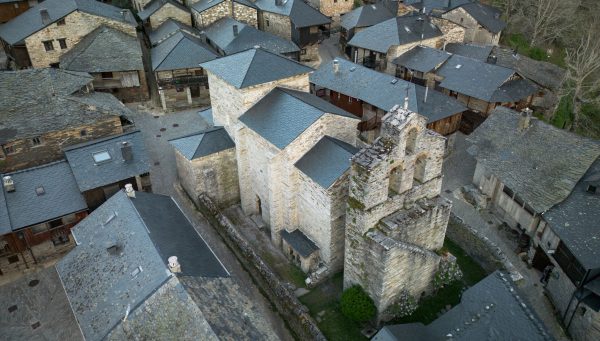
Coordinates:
277	24
168	11
453	32
396	51
333	8
474	32
245	14
209	16
77	25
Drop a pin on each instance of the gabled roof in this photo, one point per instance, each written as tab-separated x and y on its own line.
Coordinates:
545	74
30	21
486	16
253	67
105	49
364	16
58	195
384	91
336	152
155	5
221	34
422	58
203	5
394	32
168	28
541	164
479	52
90	175
203	143
300	13
299	242
180	51
435	5
514	90
283	115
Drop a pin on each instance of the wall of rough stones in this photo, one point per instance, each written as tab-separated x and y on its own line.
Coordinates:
168	11
474	32
209	16
333	8
245	14
396	51
277	24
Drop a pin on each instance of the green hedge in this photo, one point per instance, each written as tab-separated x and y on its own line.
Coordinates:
357	305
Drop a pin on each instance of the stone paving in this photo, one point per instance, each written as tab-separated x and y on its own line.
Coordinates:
458	171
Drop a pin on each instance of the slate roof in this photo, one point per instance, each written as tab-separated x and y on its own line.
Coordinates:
180	51
203	5
479	52
168	28
37	101
395	32
576	219
61	195
283	115
490	310
364	16
541	164
90	175
299	242
203	143
376	88
104	49
121	259
545	74
300	13
337	155
486	16
207	116
422	58
155	5
253	67
221	34
435	5
30	21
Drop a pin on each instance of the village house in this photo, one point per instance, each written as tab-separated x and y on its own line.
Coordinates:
10	9
38	207
333	8
493	306
38	37
104	166
541	181
297	21
169	28
369	95
480	52
229	36
175	63
360	18
403	7
45	110
206	12
115	61
157	12
377	46
482	22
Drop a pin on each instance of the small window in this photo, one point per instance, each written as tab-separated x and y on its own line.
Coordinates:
48	45
55	223
9	149
592	189
83	132
35	325
267	22
508	191
334	1
12	308
36	141
63	43
107	75
100	157
61	22
303	52
39	228
13	259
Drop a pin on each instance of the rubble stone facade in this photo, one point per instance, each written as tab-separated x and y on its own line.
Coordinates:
278	24
333	8
239	12
396	219
169	11
474	32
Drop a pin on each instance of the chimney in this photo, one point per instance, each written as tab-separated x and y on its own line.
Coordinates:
126	151
174	265
278	2
129	190
426	92
9	184
525	119
492	59
336	66
406	100
123	13
235	30
497	15
45	16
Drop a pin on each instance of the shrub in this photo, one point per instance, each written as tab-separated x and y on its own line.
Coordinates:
537	54
449	272
404	305
357	305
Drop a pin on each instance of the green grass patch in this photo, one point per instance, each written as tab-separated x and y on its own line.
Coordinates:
518	42
563	116
286	270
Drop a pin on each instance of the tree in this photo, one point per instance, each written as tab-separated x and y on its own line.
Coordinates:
547	20
508	8
357	305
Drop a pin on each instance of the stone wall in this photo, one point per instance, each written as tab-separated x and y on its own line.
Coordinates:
77	25
474	32
277	24
453	32
131	94
334	8
396	51
245	14
168	11
214	13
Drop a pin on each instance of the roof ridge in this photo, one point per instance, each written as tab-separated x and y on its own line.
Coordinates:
249	65
97	31
49	164
96	141
173	49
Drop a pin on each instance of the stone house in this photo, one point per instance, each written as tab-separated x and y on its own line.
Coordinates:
396	219
297	21
38	208
175	63
333	8
436	7
369	95
104	166
206	163
360	18
482	22
115	61
10	9
157	12
169	28
39	36
377	46
60	109
229	36
206	12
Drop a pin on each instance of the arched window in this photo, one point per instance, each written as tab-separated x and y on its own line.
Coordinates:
411	141
395	180
420	165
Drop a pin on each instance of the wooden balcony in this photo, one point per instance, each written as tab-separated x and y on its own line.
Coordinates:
107	83
182	81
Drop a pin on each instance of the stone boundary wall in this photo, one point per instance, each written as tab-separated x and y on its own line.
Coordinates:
281	296
479	247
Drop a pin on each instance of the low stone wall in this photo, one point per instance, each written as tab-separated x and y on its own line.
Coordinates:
292	311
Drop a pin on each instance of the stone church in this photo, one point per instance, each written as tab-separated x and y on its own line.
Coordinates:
329	200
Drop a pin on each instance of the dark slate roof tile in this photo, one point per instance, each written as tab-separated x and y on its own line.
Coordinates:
364	16
181	51
168	28
300	13
545	74
155	5
487	16
422	58
299	242
203	143
479	52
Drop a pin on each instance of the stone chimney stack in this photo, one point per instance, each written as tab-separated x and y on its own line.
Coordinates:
336	66
492	59
525	119
126	151
235	30
45	16
9	184
129	190
174	265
